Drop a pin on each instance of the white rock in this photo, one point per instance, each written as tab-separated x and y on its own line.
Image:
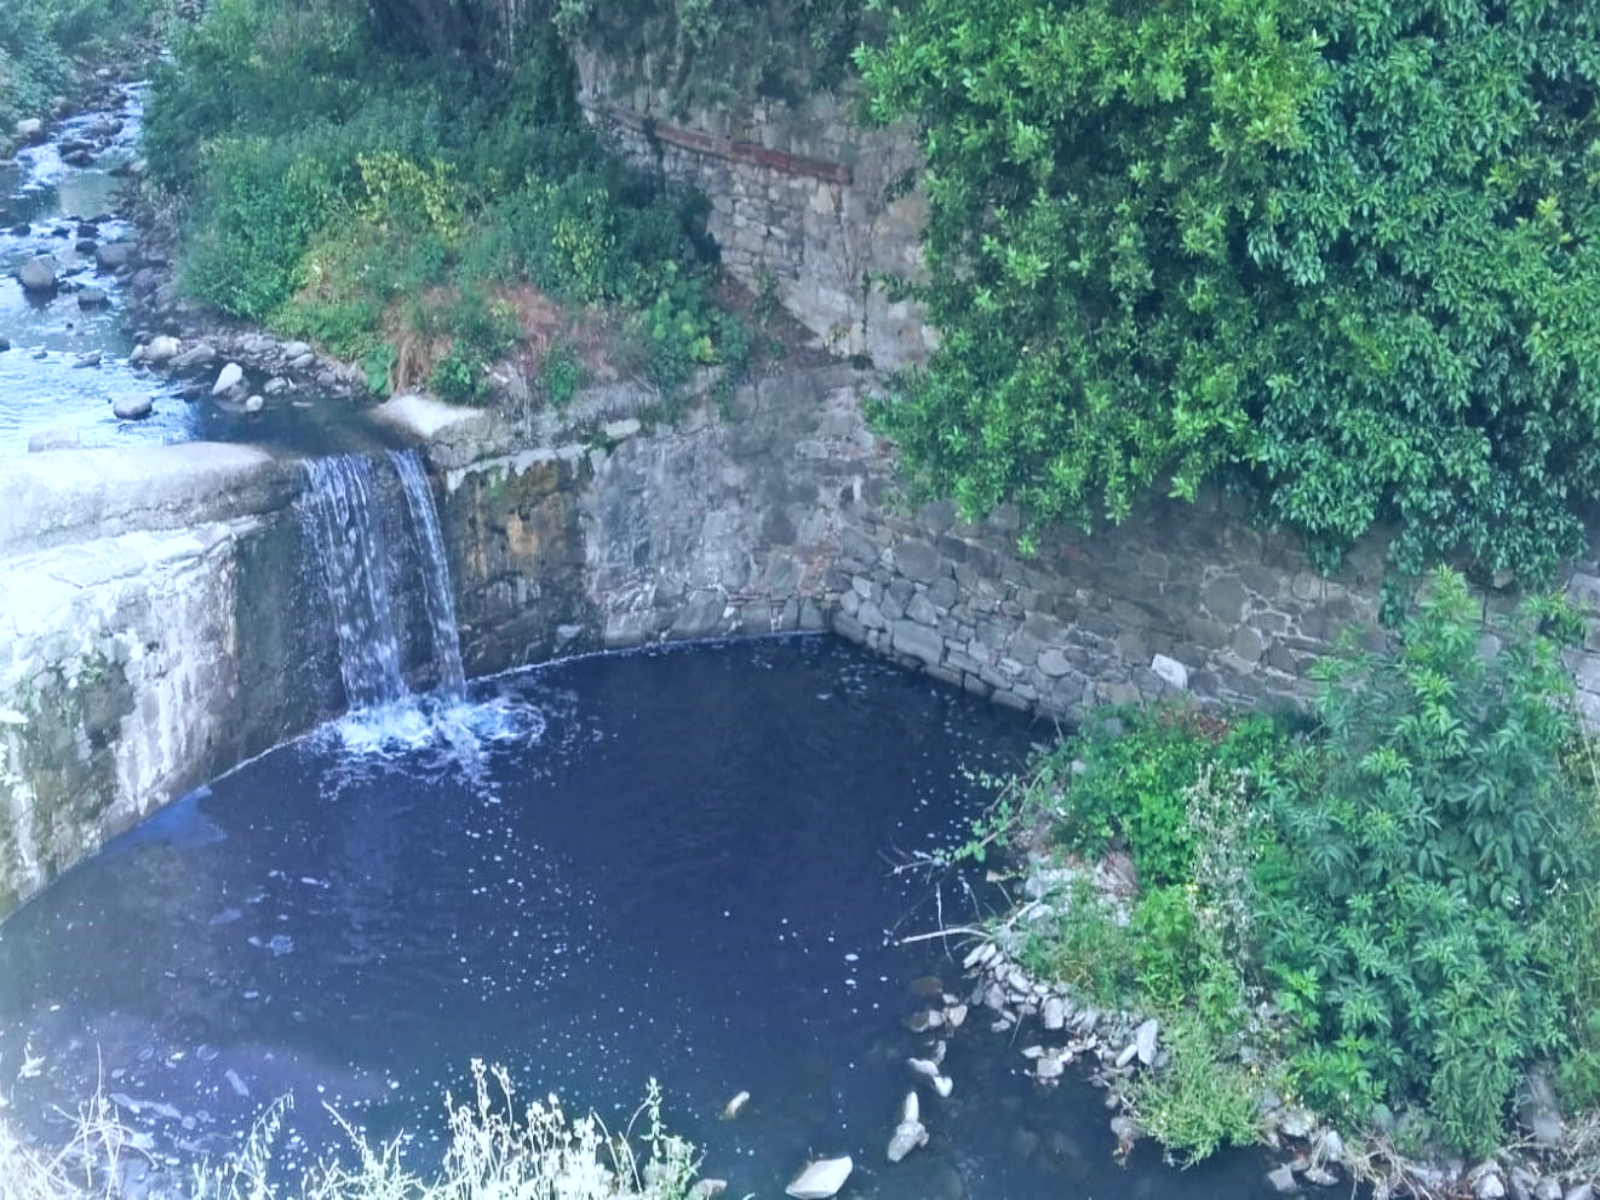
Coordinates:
1296	1122
955	1015
227	379
1054	1013
1489	1187
923	1066
1320	1176
910	1108
1282	1179
821	1180
1144	1040
707	1188
1584	1191
132	408
163	349
907	1136
1129	1052
734	1107
10	716
921	1022
254	404
617	431
29	129
944	1085
1547	1189
1171	670
978	956
1049	1067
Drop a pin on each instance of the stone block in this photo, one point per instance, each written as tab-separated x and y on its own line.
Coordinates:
918	561
1225	599
917	641
1171	671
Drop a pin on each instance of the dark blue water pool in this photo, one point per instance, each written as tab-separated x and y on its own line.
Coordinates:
674	864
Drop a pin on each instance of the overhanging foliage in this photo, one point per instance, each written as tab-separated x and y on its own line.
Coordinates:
1341	250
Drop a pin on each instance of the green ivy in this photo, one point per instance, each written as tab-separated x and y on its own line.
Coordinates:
1341	250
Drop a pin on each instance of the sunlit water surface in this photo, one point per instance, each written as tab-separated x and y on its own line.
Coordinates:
676	864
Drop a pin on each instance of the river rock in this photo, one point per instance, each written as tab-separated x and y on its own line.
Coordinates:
293	350
1144	1040
705	1189
38	274
230	377
85	245
112	255
254	405
30	129
821	1180
1584	1191
91	359
132	408
1054	1013
92	297
162	349
907	1136
81	157
196	356
1282	1180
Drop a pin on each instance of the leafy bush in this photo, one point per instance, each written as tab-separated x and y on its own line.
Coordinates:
40	39
1138	769
1343	252
1424	858
1409	878
342	195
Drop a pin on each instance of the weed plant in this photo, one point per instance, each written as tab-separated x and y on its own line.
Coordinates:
499	1149
395	210
1388	909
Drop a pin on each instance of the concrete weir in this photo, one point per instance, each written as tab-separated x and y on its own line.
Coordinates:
160	618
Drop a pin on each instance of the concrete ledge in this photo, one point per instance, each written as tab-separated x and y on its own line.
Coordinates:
77	495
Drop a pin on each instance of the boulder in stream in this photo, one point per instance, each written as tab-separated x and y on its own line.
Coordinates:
230	377
132	408
111	255
30	130
38	274
821	1180
92	297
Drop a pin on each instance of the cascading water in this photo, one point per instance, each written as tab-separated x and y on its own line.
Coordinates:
435	572
339	514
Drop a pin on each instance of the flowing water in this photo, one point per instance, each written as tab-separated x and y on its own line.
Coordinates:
46	207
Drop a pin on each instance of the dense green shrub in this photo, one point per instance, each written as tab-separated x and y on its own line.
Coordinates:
346	191
40	39
1427	845
1409	878
1132	784
1342	251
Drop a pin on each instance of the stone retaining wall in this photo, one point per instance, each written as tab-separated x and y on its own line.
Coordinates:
156	627
799	200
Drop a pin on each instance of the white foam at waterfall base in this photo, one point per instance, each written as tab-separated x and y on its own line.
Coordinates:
431	734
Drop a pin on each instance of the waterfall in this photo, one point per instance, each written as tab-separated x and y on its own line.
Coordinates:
341	513
435	571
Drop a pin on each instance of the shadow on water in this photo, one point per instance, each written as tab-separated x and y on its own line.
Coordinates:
673	864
